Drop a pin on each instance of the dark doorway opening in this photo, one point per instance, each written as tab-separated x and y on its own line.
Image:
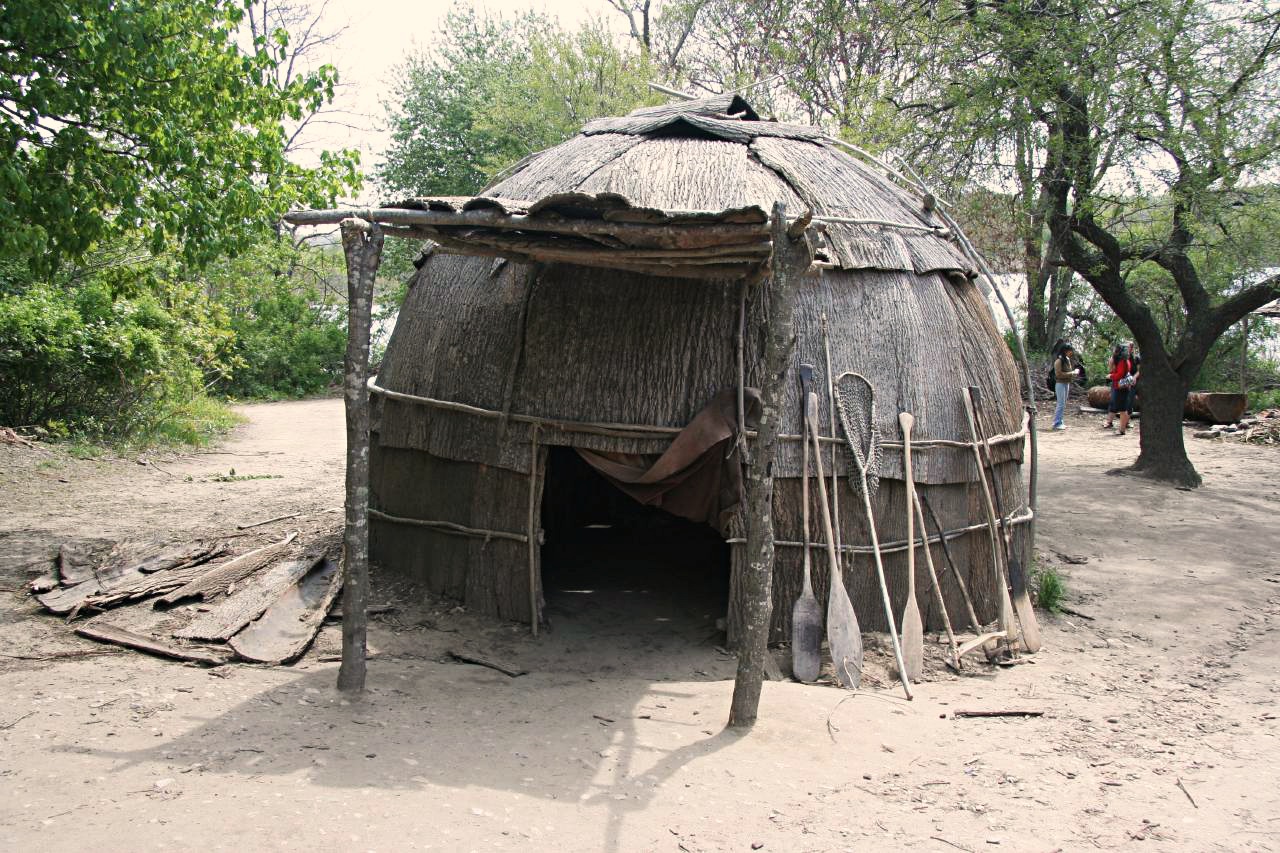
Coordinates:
614	567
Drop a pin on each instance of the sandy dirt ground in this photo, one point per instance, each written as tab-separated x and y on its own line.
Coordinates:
1159	733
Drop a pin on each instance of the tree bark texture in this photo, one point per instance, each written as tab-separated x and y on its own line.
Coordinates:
791	260
1162	452
362	244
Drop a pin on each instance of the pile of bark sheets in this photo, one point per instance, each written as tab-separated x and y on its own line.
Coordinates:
204	601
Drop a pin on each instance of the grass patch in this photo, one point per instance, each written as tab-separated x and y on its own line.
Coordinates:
196	423
1049	588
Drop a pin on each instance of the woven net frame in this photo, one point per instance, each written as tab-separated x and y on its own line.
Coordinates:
856	406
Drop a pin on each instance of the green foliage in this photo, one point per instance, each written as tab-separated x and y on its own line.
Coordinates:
148	116
492	91
104	357
1049	588
1268	399
285	319
126	347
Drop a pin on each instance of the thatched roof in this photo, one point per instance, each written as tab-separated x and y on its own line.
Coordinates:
714	155
558	342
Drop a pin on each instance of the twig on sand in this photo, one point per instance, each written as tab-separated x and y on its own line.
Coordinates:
31	713
952	843
505	669
1188	793
73	653
267	521
1073	612
1000	713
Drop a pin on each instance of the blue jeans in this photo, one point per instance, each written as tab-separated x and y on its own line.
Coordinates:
1060	390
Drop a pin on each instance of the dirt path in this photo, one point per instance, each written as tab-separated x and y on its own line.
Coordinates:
1168	695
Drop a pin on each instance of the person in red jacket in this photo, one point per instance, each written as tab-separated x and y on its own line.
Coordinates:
1123	370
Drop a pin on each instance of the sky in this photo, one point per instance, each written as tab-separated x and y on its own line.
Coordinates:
376	36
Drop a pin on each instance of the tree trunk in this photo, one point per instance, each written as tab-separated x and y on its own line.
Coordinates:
1163	454
362	244
791	258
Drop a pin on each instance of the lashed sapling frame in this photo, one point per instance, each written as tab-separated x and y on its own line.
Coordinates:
362	238
742	255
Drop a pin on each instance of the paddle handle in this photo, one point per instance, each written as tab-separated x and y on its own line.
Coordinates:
806	375
906	420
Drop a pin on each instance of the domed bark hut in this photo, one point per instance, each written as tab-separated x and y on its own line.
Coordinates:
512	390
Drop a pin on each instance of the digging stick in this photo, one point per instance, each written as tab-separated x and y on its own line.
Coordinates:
1001	584
937	587
806	614
1017	577
946	552
912	628
831	398
843	637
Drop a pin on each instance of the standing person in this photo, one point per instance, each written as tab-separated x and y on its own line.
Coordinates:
1123	372
1065	371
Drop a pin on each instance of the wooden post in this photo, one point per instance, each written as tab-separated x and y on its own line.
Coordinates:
792	257
1244	356
362	244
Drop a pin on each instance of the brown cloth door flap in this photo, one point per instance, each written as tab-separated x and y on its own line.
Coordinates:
699	477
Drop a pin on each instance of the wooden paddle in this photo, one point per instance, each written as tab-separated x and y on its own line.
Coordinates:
843	636
912	628
1017	577
806	614
832	603
1001	585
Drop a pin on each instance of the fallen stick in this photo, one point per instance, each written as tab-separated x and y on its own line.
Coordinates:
1072	611
268	521
122	637
479	661
30	713
74	653
977	643
1005	713
1184	790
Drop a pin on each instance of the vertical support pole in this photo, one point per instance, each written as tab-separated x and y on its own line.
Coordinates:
792	257
532	529
362	245
1244	355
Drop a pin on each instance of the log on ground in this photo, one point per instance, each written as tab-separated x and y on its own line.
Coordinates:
287	627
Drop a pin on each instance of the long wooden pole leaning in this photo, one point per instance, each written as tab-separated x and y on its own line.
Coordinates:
792	258
362	245
937	587
1027	625
1001	586
532	528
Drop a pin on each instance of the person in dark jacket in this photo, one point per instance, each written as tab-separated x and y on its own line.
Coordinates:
1065	371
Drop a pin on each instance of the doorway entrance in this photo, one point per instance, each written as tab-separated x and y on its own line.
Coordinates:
612	566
